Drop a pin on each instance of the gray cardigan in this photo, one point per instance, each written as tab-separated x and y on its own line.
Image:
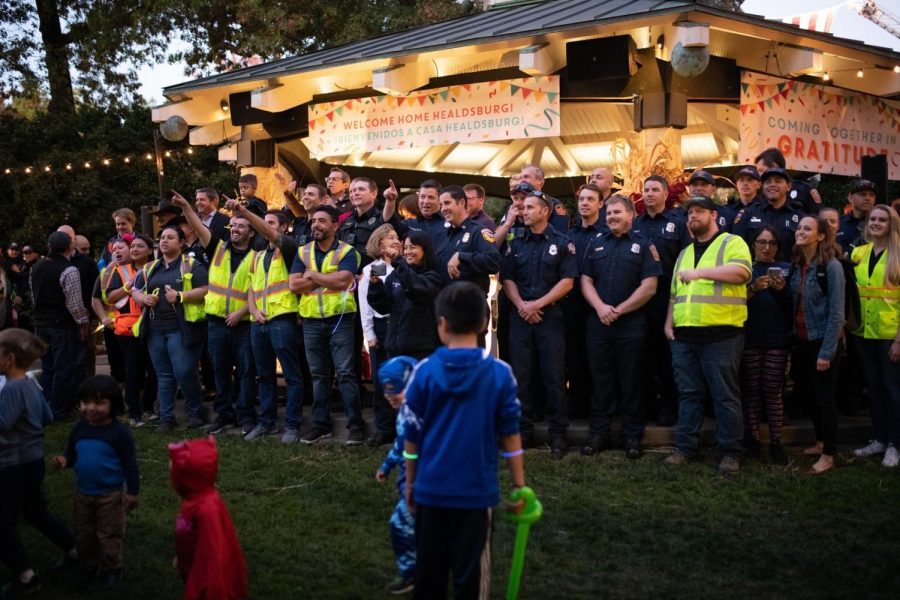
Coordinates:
824	315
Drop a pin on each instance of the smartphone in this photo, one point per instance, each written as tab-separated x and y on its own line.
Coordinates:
379	270
775	273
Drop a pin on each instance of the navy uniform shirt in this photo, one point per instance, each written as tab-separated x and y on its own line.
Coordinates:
669	233
435	228
484	220
300	231
582	235
559	218
478	256
357	229
538	261
618	265
849	233
785	220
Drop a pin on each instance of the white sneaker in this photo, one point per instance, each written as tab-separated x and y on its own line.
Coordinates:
874	447
891	457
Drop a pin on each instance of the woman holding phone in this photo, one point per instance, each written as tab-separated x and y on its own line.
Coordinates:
817	290
878	278
767	346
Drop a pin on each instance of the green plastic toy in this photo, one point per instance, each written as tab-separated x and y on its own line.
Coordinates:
528	516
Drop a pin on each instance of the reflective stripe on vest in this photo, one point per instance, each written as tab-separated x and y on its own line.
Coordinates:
193	312
703	302
322	302
271	287
879	303
227	288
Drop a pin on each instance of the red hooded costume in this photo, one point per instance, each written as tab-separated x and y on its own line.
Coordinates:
209	554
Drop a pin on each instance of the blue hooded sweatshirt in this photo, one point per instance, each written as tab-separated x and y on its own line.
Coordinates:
458	402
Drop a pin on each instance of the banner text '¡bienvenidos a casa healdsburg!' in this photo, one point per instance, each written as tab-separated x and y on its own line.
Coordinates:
433	129
428	116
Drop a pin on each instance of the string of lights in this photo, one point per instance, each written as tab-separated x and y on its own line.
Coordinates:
87	165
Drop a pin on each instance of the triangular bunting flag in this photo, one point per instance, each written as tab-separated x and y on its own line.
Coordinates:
421	100
330	116
525	92
538	95
769	103
339	110
444	95
551	97
513	89
745	87
401	100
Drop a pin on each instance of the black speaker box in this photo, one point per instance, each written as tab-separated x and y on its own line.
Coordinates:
660	109
602	59
256	153
875	169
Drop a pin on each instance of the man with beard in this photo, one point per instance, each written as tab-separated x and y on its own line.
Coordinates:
707	311
475	201
324	274
668	231
313	196
776	212
619	276
537	271
227	318
702	183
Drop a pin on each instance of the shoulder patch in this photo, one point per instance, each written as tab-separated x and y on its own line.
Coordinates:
488	235
653	251
560	209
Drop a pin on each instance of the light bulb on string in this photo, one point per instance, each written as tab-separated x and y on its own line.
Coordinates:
47	169
127	160
87	165
860	73
106	162
69	167
28	170
826	76
148	156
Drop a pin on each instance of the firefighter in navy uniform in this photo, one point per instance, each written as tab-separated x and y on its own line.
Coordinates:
619	277
775	211
365	217
537	271
668	231
702	183
469	252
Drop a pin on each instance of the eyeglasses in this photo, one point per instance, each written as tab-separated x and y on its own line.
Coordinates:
766	243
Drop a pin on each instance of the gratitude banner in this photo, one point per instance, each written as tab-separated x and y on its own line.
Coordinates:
475	112
818	128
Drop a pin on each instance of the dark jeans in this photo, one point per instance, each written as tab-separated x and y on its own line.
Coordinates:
385	416
134	356
883	377
578	374
660	394
540	348
817	390
614	353
232	361
115	359
176	366
277	339
452	541
334	339
58	368
23	494
709	371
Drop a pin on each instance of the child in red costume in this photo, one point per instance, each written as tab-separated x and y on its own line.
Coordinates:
207	552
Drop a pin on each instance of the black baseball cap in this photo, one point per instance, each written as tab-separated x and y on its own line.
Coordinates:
14	245
776	172
860	185
524	187
701	201
704	175
750	172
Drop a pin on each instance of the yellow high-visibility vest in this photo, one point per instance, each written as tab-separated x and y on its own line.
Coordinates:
322	302
879	303
704	302
271	288
227	289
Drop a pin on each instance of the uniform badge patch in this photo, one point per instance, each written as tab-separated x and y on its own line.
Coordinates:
446	224
552	250
371	220
793	194
636	248
488	235
654	252
465	237
795	219
670	227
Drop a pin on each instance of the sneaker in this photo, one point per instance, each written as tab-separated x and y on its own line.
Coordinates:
379	439
777	454
401	585
729	465
874	447
314	435
150	416
195	422
355	437
17	589
677	459
891	457
165	427
260	431
633	448
248	427
219	425
598	443
291	435
558	447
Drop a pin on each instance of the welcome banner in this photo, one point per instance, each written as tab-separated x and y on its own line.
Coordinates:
476	112
818	128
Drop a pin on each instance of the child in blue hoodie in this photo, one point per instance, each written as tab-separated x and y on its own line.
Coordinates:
393	376
458	402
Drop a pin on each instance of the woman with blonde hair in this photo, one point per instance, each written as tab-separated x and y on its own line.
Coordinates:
878	279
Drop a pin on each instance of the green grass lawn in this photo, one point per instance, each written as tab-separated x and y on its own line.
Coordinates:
313	524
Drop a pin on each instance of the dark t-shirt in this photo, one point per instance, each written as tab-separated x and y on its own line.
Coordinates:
163	315
237	256
288	247
769	311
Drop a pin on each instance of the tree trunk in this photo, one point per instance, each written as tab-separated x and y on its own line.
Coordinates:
56	59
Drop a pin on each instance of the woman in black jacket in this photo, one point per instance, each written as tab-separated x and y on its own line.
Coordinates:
407	295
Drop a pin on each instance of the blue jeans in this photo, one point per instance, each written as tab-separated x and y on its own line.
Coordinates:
58	368
326	339
176	365
271	340
709	370
229	351
883	377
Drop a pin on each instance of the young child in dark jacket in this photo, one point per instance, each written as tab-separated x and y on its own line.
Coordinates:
459	401
102	452
23	415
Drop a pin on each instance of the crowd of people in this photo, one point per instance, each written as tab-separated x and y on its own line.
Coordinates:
671	311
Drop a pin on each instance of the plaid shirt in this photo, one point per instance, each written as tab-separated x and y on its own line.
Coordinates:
71	285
